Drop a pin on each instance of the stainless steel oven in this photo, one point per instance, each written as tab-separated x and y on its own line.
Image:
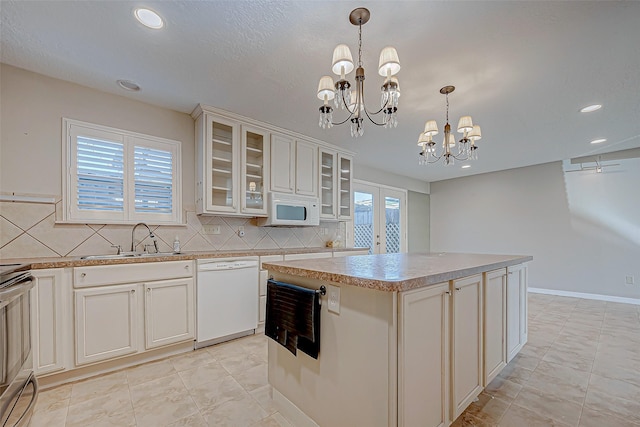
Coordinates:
18	384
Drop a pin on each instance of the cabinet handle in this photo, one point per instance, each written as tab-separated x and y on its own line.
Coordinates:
511	272
186	267
133	291
458	289
83	275
448	293
148	289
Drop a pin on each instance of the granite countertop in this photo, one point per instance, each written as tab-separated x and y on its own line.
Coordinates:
64	262
396	272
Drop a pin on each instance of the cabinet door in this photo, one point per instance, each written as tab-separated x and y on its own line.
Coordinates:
328	184
306	168
221	164
106	322
344	187
516	309
253	181
47	320
495	324
169	312
423	359
466	369
282	166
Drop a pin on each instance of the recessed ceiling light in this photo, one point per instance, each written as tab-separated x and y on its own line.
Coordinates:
466	166
591	108
598	141
149	18
128	85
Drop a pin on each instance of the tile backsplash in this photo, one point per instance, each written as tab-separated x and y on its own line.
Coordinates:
29	230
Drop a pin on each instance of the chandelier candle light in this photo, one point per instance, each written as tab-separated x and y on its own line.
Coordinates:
467	149
353	100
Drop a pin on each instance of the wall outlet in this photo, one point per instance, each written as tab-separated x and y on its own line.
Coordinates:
241	231
333	295
629	280
211	229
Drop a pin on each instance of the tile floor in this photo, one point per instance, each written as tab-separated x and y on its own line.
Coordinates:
581	367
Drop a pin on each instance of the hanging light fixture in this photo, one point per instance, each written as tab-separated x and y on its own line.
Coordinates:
353	100
467	148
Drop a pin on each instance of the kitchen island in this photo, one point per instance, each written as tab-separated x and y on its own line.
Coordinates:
405	339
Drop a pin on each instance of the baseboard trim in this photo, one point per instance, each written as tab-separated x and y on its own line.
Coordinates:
598	297
291	412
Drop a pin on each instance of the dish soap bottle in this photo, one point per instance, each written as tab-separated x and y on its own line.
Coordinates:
176	246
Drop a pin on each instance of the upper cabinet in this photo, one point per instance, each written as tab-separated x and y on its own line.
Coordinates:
253	173
335	185
232	161
239	159
293	166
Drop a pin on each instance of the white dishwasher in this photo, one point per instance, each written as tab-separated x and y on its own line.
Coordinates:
227	299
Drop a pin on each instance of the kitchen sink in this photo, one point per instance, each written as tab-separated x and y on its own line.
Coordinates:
128	255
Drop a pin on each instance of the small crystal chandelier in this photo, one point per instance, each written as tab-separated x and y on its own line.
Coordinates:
353	100
467	148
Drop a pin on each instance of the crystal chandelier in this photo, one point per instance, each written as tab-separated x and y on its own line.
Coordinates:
467	148
353	100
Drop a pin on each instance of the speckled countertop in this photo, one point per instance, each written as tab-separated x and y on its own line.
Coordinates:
64	262
396	272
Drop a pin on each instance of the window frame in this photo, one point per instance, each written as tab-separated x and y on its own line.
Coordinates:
71	129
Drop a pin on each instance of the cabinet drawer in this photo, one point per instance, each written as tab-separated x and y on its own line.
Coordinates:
292	257
101	275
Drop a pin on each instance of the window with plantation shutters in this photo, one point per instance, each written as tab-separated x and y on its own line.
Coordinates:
114	176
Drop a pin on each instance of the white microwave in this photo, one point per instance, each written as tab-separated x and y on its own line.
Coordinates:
291	209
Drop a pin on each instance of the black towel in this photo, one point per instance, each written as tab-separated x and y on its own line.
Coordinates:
293	317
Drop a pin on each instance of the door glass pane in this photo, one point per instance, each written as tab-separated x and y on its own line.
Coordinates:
363	220
392	224
221	164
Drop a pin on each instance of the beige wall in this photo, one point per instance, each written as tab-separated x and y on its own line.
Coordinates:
31	110
581	228
32	107
418	221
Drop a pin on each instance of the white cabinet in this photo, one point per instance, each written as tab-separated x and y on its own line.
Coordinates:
516	309
292	257
48	317
335	185
423	357
282	166
466	342
306	168
344	198
168	311
495	323
106	322
293	166
112	319
262	289
231	166
253	174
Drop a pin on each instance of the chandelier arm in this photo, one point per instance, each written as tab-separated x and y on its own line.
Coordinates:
367	111
370	119
344	121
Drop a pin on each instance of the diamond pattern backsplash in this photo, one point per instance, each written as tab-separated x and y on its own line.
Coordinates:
29	230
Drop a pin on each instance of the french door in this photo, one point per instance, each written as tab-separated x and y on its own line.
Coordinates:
380	218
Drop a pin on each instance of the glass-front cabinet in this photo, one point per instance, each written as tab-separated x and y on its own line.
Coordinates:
344	187
232	166
328	162
255	152
335	185
221	154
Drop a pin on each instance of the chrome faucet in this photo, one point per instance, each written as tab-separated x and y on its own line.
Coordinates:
153	237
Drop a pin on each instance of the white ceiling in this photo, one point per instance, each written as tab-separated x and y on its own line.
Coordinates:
522	69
